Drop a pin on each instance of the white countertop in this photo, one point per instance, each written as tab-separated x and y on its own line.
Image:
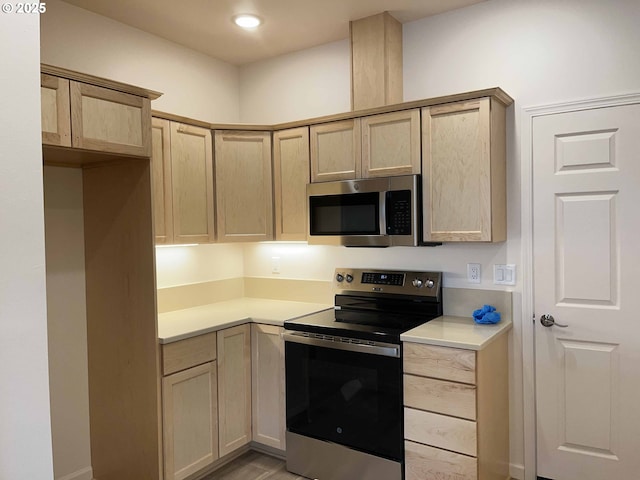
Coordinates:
181	324
460	332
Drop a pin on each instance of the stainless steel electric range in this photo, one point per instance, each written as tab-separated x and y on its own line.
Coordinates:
344	375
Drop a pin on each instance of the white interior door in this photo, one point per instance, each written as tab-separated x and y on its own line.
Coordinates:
586	187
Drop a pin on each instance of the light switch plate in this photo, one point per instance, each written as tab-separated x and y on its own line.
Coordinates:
504	274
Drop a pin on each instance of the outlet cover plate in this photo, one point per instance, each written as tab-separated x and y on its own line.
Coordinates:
474	274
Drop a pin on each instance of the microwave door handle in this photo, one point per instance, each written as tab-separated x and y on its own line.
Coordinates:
383	213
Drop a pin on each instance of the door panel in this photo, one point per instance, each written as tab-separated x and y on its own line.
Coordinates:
586	225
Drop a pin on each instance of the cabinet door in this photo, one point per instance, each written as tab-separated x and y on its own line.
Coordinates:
190	421
109	121
192	184
463	173
335	151
290	179
161	177
268	398
391	144
243	186
234	388
56	111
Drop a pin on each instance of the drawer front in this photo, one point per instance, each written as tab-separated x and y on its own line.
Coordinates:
454	434
445	363
427	463
440	396
188	353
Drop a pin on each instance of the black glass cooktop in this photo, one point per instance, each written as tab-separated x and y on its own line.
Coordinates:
368	318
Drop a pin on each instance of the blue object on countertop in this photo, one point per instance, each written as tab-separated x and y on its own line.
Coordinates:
486	315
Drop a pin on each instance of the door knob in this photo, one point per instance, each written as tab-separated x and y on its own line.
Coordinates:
549	321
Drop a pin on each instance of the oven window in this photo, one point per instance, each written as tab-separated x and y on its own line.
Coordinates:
349	214
350	398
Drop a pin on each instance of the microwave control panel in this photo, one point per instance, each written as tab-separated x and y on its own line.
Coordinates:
398	212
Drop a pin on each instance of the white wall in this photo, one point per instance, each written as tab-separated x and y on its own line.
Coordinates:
181	265
67	322
25	432
193	85
303	84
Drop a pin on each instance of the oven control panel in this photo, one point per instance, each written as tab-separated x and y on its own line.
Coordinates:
426	284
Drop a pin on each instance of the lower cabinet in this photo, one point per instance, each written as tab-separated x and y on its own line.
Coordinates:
268	394
234	388
190	420
220	391
189	406
456	420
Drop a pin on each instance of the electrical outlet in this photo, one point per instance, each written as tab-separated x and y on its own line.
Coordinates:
275	264
473	272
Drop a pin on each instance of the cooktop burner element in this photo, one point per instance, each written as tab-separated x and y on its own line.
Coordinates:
377	305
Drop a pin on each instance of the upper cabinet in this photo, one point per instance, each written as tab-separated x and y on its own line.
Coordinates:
192	184
161	177
56	112
391	144
463	171
381	145
335	151
290	178
89	115
182	171
243	182
109	121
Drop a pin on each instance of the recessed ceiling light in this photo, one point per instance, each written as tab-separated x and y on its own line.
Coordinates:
247	21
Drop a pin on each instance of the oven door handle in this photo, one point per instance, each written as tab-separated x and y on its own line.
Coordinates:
375	348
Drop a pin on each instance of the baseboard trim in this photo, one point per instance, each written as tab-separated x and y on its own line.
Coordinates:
221	462
516	471
84	474
271	451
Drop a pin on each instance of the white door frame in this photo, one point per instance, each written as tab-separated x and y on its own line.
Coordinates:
526	186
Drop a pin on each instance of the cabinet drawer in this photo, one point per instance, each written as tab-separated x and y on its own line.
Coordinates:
427	463
440	396
188	353
440	362
441	431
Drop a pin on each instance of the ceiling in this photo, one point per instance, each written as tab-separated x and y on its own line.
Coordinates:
289	25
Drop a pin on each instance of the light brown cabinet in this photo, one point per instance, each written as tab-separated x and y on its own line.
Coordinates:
464	172
234	388
190	421
106	120
192	184
381	145
290	179
268	392
92	115
182	171
189	406
243	183
161	177
56	111
456	416
391	144
335	151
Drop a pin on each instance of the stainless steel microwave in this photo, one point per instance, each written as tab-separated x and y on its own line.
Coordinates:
372	212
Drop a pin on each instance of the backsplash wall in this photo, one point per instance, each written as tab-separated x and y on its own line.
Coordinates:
318	262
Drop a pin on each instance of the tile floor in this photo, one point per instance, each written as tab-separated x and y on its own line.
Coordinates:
254	466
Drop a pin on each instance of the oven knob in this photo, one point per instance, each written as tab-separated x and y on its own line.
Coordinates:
417	283
339	277
429	284
349	278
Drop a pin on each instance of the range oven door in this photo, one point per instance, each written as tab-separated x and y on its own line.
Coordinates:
351	398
